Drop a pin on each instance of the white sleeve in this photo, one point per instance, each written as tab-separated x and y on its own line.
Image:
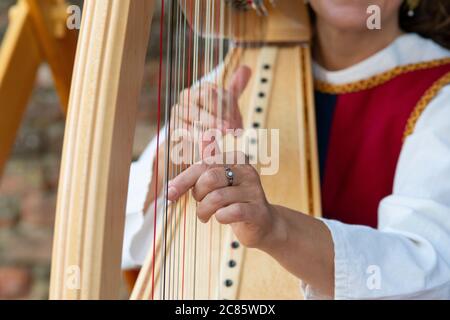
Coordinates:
408	257
137	235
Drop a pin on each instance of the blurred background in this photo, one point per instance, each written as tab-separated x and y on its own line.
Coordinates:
29	184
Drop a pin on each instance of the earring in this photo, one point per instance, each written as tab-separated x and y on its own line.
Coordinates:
412	6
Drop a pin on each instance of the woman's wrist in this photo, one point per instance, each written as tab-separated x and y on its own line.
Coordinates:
303	245
277	237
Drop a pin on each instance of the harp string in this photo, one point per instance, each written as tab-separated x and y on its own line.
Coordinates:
186	199
168	111
213	224
179	110
220	62
181	208
208	50
176	110
187	252
156	169
174	236
193	220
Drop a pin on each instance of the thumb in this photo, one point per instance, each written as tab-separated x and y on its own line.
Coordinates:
239	81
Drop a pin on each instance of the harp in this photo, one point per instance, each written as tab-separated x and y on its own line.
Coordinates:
189	260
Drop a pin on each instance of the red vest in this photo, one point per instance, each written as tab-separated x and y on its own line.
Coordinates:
365	134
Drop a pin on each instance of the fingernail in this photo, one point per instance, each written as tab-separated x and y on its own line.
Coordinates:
172	193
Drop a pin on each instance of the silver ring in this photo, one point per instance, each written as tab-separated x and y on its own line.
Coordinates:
230	176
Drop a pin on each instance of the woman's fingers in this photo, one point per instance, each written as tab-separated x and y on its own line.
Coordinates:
205	95
189	178
234	213
196	114
215	178
218	199
221	104
239	81
211	100
237	85
185	181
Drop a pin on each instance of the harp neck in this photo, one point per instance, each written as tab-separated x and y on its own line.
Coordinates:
287	22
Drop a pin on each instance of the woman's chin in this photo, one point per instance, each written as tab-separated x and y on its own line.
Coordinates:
351	15
352	22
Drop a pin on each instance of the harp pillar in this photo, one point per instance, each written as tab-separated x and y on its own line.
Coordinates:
97	149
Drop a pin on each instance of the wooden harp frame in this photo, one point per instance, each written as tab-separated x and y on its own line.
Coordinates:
36	34
97	148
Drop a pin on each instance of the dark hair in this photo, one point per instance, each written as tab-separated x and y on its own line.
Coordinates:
431	20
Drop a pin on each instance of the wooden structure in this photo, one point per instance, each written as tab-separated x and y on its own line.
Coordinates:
36	34
97	153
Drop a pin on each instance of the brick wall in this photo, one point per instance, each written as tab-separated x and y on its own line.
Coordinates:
29	184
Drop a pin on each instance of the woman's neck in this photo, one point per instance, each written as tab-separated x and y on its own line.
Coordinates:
339	49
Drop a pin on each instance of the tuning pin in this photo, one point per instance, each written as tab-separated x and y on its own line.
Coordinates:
258	5
260	8
239	4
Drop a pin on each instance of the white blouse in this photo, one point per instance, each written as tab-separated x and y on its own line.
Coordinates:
408	256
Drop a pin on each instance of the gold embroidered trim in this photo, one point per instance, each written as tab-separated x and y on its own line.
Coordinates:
429	95
377	79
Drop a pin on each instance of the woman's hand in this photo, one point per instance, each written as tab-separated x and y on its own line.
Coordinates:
243	205
208	104
212	106
300	243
